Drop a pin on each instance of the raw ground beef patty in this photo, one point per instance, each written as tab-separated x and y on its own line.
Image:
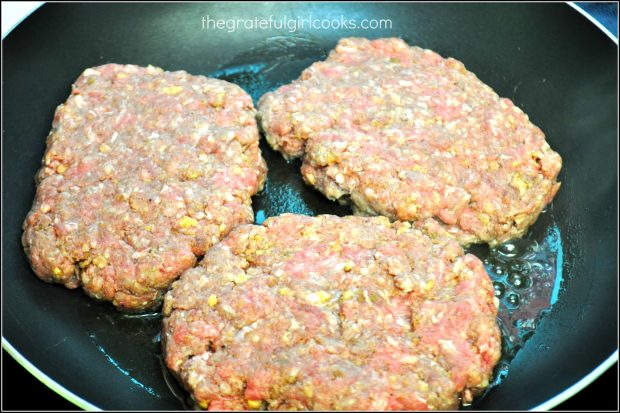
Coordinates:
144	170
333	313
402	132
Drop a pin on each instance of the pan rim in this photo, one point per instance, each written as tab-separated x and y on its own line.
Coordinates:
47	380
593	21
37	4
578	386
88	406
33	7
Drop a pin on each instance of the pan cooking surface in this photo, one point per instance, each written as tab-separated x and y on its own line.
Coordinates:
547	58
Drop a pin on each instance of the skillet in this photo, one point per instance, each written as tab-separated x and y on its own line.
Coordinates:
545	57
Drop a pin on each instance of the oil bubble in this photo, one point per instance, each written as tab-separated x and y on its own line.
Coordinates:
513	299
520	266
537	270
499	289
507	249
519	281
525	273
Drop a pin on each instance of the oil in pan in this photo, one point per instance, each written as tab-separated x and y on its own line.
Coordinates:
527	277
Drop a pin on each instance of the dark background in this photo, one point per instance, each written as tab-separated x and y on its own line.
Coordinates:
21	391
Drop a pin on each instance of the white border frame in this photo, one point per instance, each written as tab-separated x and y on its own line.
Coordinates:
83	404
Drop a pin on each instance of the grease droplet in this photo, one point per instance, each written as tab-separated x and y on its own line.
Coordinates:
499	289
519	281
513	299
